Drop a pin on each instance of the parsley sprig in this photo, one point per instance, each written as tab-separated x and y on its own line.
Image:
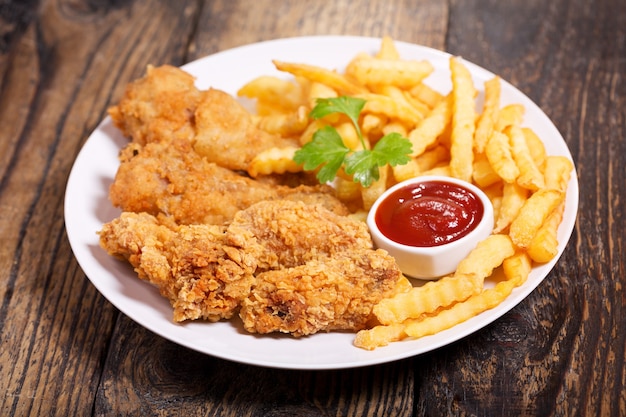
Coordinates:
327	150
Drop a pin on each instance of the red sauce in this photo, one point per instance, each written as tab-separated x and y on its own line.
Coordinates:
431	213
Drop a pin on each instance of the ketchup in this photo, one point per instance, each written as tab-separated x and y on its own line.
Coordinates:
431	213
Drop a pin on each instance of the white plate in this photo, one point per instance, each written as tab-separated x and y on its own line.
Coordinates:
87	207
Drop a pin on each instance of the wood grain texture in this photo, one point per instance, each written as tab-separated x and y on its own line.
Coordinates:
64	350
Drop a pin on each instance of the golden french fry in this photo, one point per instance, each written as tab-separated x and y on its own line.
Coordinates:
404	172
388	49
424	299
333	79
285	124
513	198
529	174
463	116
557	172
459	312
387	106
517	267
532	215
535	146
426	94
274	161
509	115
399	73
483	173
545	245
500	156
350	137
428	129
278	92
379	336
348	191
489	115
395	127
485	257
371	193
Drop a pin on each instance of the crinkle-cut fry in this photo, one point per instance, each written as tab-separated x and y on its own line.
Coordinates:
395	127
279	92
500	155
434	124
545	244
489	115
443	170
379	336
309	131
557	172
400	73
424	299
460	312
432	157
513	198
535	146
404	172
485	257
463	121
387	106
517	267
426	94
349	135
318	90
532	215
483	173
285	124
333	79
274	161
372	125
347	190
529	174
387	49
509	115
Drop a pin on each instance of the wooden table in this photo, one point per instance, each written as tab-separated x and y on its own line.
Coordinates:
65	350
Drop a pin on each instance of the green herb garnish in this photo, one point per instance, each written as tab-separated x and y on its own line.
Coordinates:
327	149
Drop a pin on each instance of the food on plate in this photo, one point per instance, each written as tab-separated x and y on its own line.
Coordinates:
221	214
283	266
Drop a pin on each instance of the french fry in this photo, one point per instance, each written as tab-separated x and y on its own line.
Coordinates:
428	129
532	216
399	73
424	299
509	115
388	49
334	80
278	92
499	154
426	94
529	174
545	245
379	336
288	124
517	267
274	161
404	172
557	172
463	116
460	312
513	199
387	106
485	257
489	115
483	173
349	135
535	146
371	193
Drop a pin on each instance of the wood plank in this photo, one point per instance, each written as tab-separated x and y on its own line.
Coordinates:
60	65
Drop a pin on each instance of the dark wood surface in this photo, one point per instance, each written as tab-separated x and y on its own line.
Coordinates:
64	350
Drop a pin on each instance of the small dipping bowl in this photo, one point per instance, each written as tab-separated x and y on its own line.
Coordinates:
430	223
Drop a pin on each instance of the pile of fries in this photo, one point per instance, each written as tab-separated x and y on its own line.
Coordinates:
489	148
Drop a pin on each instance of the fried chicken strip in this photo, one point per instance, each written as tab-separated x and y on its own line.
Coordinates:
172	179
201	276
165	105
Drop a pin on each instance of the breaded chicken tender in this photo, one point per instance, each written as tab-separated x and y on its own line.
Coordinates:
172	179
165	105
329	293
201	276
293	233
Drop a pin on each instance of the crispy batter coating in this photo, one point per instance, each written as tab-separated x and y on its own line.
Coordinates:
329	293
165	105
172	179
293	233
190	265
